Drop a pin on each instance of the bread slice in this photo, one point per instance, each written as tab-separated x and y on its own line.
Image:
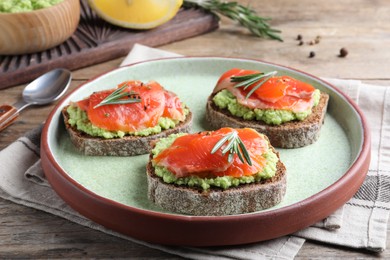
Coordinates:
126	146
291	134
244	198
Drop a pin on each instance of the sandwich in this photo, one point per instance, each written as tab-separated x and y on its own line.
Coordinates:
224	172
290	112
125	120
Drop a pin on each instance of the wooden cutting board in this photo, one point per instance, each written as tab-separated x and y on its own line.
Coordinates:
97	41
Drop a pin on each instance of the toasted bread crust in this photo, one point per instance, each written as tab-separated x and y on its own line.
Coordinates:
244	198
126	146
291	134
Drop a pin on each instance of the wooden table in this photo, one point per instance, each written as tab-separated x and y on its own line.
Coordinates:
361	26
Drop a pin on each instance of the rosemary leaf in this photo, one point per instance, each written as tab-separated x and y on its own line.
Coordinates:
244	151
228	146
245	16
121	102
247	80
230	157
219	144
234	146
116	96
239	153
244	77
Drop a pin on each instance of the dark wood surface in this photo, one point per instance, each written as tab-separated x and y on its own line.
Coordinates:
361	26
96	41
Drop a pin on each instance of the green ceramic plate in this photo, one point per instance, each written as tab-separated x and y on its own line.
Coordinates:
311	170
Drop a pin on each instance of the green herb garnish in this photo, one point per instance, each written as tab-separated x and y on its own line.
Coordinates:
234	146
247	80
246	16
117	96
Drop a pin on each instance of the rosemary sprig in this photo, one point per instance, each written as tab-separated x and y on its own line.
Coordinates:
247	80
234	146
116	97
246	16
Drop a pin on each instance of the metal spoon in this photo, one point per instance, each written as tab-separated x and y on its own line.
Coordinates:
43	90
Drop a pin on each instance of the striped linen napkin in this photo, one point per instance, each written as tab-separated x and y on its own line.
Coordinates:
360	223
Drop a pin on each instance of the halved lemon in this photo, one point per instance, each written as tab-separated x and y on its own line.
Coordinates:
136	14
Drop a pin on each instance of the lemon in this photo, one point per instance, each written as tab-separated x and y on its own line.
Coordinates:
136	14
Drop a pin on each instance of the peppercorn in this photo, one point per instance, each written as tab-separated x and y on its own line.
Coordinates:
312	54
299	37
343	52
300	43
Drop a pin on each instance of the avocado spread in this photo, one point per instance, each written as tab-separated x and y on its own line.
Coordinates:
79	119
18	6
205	183
226	100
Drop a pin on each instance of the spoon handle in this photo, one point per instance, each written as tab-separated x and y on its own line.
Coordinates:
8	114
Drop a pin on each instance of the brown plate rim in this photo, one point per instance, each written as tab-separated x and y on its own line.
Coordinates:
171	229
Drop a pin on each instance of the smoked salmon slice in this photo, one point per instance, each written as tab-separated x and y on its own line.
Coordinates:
190	155
155	102
276	92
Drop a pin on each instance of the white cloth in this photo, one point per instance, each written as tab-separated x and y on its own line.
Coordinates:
366	214
361	223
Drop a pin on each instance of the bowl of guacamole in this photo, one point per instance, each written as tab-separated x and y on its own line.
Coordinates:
31	26
18	6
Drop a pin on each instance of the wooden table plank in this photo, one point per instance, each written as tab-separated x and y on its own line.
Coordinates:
361	26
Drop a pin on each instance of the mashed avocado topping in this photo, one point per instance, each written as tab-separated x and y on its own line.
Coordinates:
205	183
226	100
79	119
18	6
